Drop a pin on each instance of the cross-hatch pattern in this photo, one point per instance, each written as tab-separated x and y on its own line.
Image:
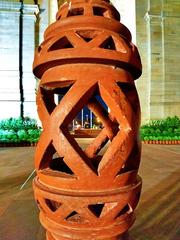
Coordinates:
87	192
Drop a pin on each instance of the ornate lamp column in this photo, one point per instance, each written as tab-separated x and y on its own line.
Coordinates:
87	192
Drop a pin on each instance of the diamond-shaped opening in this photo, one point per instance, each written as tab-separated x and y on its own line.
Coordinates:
86	121
126	210
108	44
75	12
54	163
87	130
87	34
96	209
52	205
107	131
52	95
99	11
81	128
94	152
62	43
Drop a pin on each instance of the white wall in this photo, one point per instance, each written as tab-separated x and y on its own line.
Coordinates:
9	60
127	10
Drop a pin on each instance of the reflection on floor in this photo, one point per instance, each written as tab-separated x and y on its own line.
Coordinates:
158	213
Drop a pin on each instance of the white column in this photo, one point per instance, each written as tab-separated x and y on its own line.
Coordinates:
9	60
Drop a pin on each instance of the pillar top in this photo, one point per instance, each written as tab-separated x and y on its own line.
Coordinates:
88	8
95	27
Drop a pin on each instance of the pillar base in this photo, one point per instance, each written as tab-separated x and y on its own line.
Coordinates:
66	219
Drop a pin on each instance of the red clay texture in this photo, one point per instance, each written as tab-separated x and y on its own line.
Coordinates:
88	59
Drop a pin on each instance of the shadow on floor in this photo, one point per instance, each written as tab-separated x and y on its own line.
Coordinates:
158	215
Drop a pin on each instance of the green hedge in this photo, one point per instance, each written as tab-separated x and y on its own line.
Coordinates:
18	130
166	129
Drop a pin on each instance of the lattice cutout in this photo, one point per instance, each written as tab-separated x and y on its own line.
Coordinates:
48	99
52	162
76	212
92	155
74	217
62	43
108	44
97	192
58	164
99	11
75	12
125	210
52	205
94	214
47	157
52	96
99	109
96	209
88	35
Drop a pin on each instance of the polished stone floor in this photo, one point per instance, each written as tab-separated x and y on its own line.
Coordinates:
158	213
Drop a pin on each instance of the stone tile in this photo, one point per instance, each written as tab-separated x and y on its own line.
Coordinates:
20	221
157	214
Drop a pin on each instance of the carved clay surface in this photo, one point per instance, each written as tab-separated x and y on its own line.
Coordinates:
88	57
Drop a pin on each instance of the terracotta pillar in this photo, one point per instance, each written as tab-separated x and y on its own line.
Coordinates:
87	192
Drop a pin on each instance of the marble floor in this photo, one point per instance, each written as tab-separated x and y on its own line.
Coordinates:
158	213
